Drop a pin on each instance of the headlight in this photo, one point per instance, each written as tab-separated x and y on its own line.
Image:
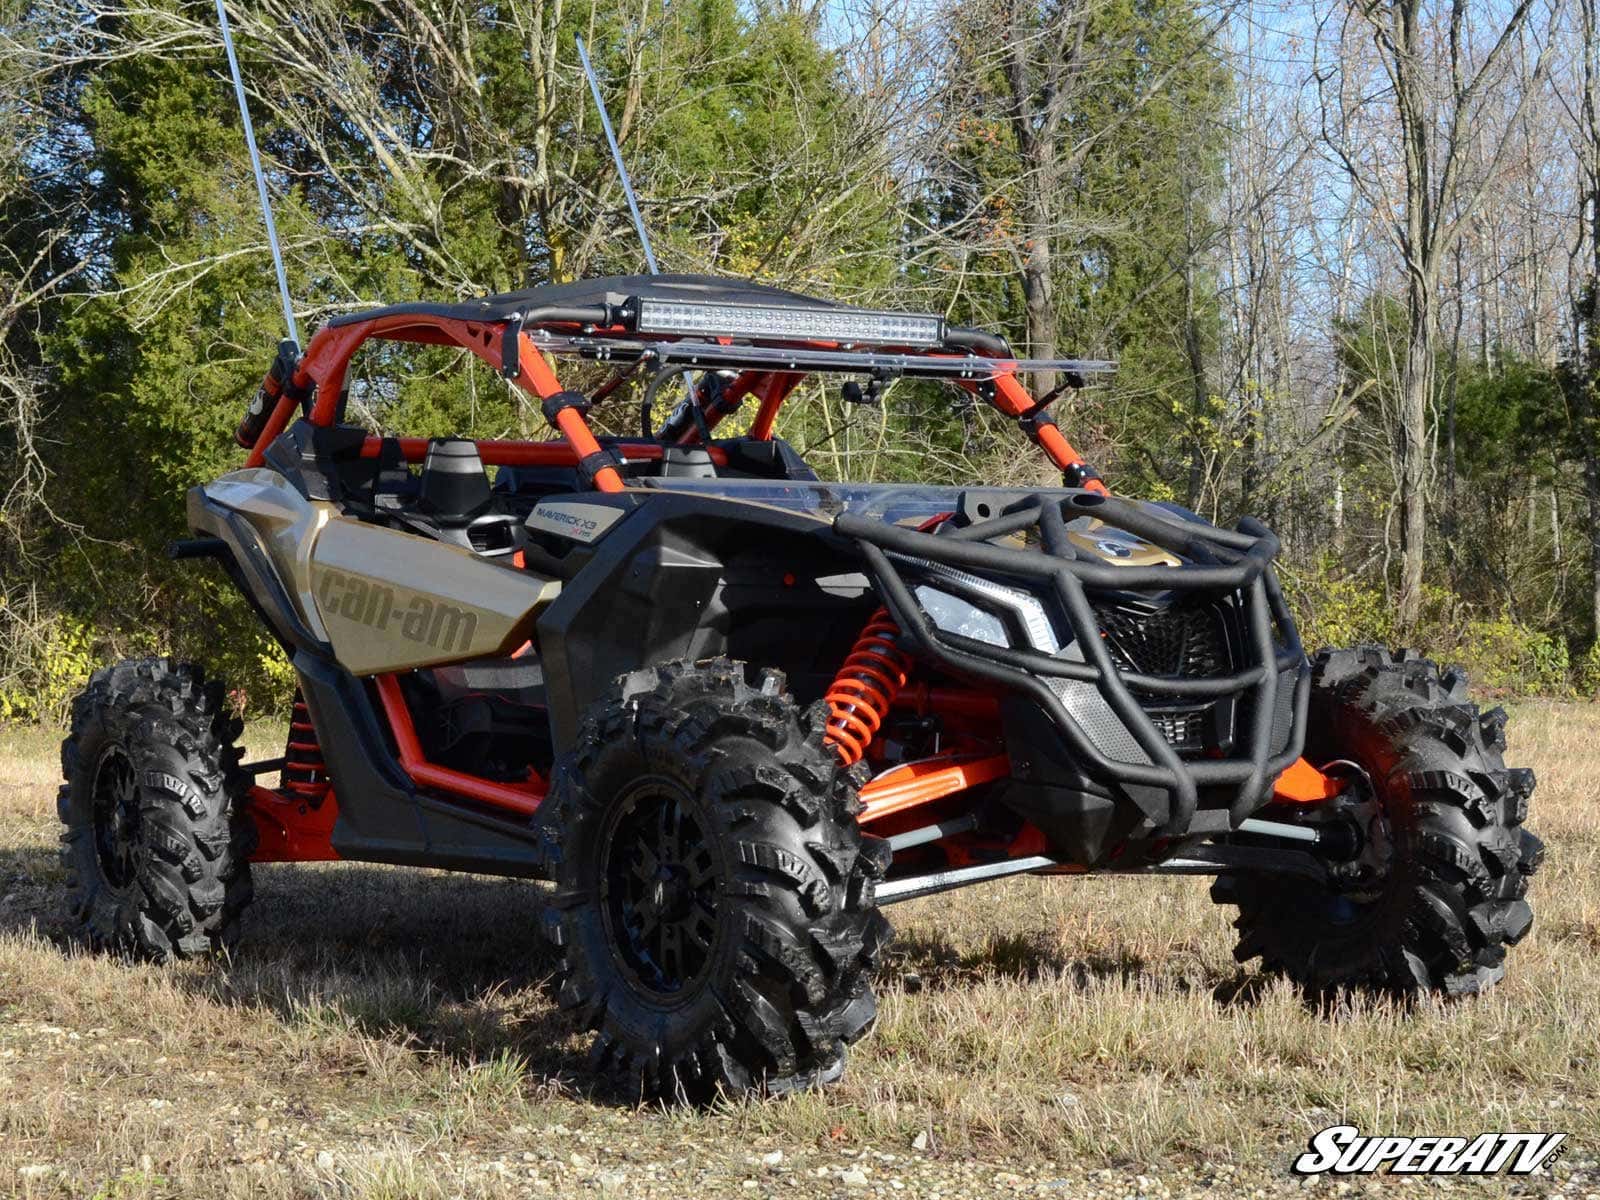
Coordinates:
955	613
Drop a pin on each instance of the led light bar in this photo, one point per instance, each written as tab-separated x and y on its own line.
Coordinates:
789	323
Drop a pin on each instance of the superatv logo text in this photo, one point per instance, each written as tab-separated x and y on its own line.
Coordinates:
431	622
1344	1150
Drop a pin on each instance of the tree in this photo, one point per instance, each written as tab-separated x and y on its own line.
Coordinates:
1439	100
1069	198
1583	374
413	151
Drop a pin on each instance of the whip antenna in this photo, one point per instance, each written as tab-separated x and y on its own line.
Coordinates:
261	179
611	139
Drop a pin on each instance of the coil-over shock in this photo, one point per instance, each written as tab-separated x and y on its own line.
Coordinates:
865	687
305	774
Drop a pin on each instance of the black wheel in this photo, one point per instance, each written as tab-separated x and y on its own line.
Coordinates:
1437	892
713	909
156	842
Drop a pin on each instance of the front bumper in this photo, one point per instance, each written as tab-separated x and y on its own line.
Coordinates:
1115	721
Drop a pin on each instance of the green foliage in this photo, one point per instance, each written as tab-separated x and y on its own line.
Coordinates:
1510	413
1371	346
1586	673
1122	224
1504	656
1500	654
151	371
767	126
1332	609
47	661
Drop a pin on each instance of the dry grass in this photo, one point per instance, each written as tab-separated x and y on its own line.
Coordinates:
383	1033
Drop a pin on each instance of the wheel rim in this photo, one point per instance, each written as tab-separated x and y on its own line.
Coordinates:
659	881
116	817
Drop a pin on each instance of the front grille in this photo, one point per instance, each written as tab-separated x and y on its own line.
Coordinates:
1184	731
1181	639
1177	640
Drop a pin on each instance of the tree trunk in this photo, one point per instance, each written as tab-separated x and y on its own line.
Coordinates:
1591	487
1588	420
1587	383
1421	258
1416	387
1588	306
1197	371
1450	521
1038	296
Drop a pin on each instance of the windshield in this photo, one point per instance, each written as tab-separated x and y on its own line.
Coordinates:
896	503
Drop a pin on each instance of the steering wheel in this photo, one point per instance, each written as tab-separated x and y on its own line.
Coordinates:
692	400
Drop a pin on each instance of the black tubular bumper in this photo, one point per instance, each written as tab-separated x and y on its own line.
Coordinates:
1232	565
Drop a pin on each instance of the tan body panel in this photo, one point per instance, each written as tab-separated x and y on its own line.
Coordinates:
391	601
1116	547
288	524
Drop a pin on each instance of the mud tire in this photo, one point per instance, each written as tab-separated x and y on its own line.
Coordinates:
773	981
1453	898
156	841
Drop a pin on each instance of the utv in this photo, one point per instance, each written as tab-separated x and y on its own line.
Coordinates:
729	710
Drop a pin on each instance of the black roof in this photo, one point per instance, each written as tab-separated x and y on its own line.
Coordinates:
587	293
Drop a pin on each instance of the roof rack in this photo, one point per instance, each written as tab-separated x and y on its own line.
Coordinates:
800	359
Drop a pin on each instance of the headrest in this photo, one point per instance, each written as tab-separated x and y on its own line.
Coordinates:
453	485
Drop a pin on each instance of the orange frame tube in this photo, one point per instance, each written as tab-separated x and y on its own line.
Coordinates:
1011	398
1301	783
290	829
913	784
522	801
498	453
917	783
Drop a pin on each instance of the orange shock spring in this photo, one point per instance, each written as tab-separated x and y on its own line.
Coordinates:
305	775
864	688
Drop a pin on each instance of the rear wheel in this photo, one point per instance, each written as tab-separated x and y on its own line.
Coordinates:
714	897
1437	894
156	844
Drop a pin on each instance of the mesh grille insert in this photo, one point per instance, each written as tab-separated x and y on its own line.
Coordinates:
1179	640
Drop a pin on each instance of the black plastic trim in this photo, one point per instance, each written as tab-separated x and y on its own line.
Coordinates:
963	337
382	816
591	465
1078	475
486	310
205	547
554	406
642	597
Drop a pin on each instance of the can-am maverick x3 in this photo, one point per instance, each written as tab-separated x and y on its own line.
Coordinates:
730	710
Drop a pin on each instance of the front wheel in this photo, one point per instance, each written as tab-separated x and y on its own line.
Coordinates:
713	908
1437	894
156	840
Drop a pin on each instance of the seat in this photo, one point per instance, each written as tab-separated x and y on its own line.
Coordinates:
455	503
